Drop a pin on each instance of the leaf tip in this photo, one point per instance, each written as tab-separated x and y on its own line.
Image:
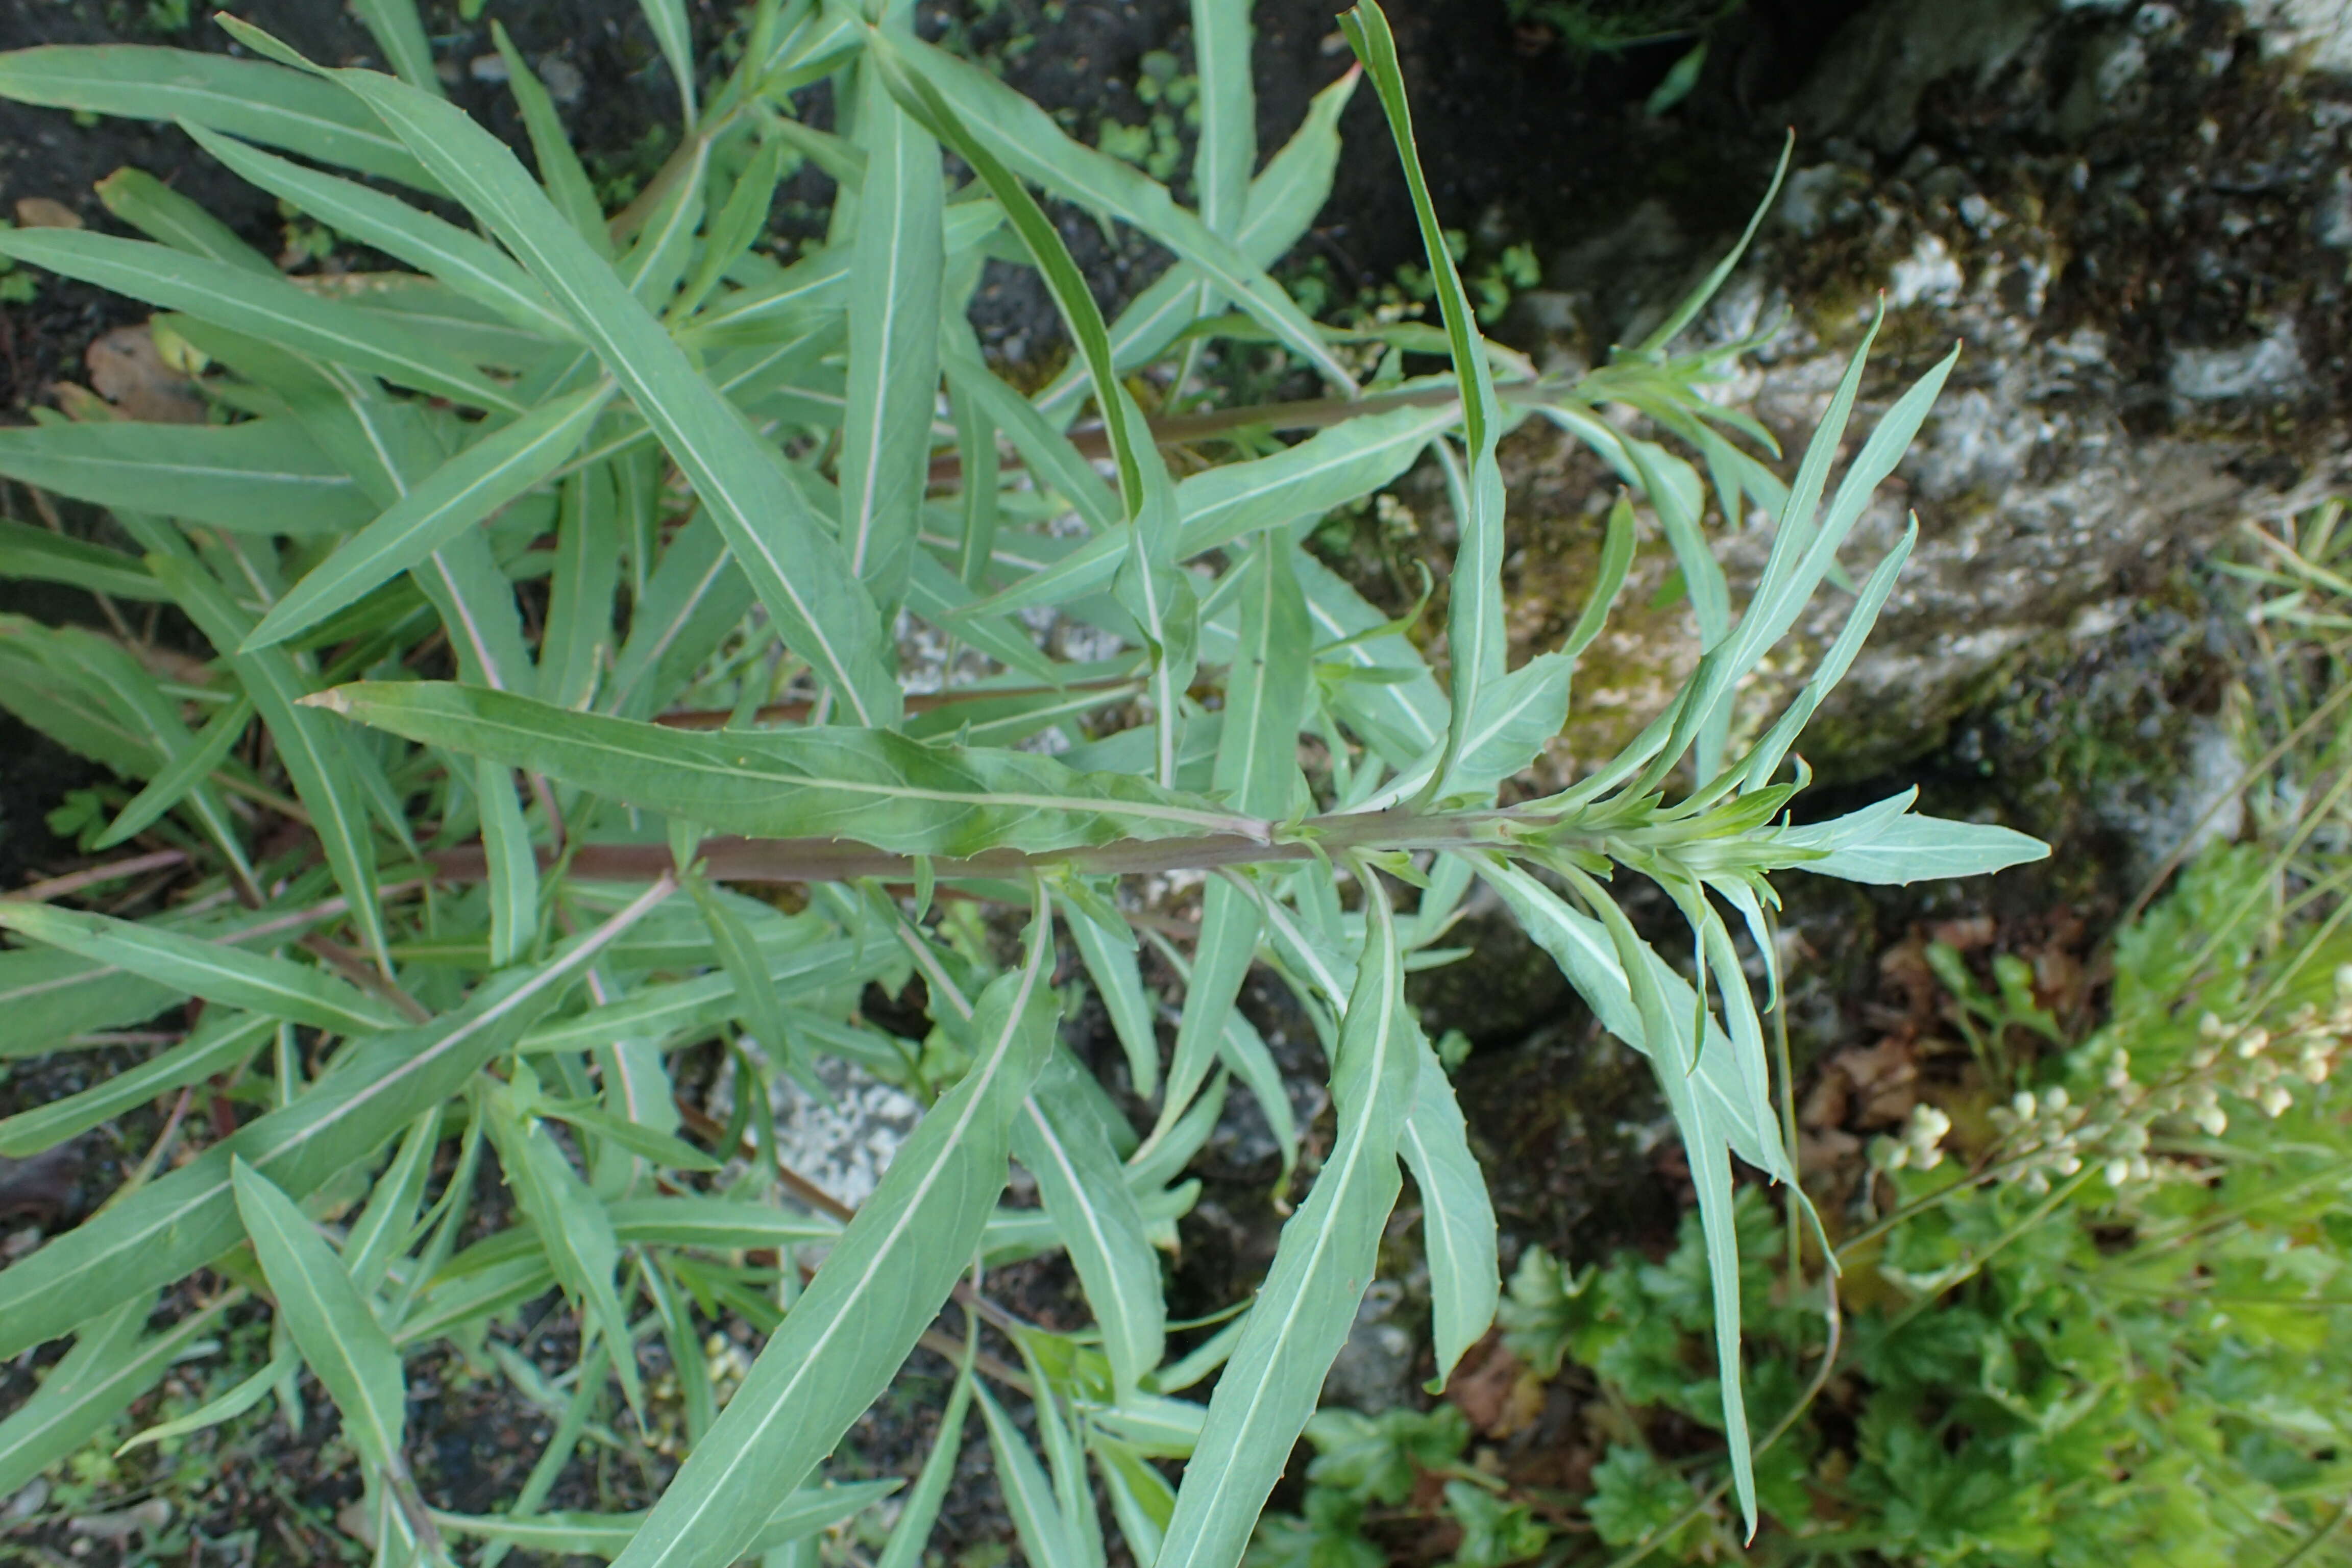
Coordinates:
334	700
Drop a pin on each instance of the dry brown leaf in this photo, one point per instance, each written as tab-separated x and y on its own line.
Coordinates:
43	211
129	371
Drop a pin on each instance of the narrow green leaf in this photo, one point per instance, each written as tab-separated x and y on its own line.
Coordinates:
251	98
1037	1520
1227	154
1283	203
801	1514
263	476
328	1319
762	1008
896	267
469	264
1608	577
878	1290
223	1042
164	215
578	633
182	1221
1027	139
283	1364
695	598
574	1228
875	786
1457	1217
911	1534
1874	846
1140	1498
318	760
823	612
107	1369
272	310
559	170
37	552
277	987
478	480
181	775
1475	596
1109	953
383	1229
399	32
512	864
1059	1141
1321	1267
667	19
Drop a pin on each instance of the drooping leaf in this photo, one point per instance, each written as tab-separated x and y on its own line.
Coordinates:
1321	1267
1457	1217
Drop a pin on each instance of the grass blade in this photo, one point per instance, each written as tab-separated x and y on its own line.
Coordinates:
183	774
36	553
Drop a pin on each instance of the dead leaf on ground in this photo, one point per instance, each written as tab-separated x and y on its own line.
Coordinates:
129	371
44	212
1500	1395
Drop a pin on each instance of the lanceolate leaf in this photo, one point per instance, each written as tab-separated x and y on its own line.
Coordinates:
225	1040
179	1222
1060	1141
1473	626
798	568
272	310
315	758
897	261
252	98
263	476
469	264
328	1318
868	784
1873	846
875	1293
1457	1217
1321	1267
453	498
277	987
1227	155
107	1368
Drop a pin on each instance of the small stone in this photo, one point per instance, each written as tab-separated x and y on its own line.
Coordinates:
561	79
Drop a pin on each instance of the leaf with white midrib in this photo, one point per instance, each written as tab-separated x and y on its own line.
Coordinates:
853	1324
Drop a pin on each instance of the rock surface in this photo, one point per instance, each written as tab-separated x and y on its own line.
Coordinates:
2135	221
